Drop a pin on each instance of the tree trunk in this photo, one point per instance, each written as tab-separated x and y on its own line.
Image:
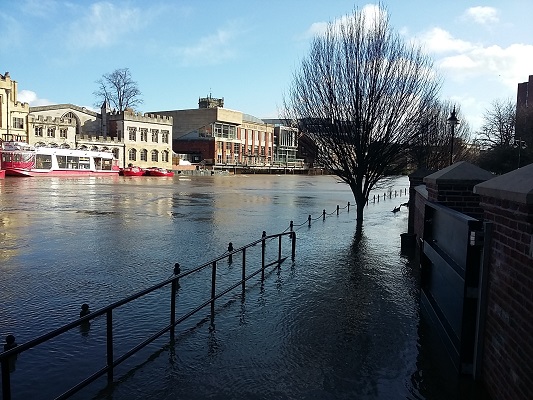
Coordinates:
360	203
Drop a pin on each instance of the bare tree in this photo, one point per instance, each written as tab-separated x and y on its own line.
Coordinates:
118	89
360	97
498	127
432	147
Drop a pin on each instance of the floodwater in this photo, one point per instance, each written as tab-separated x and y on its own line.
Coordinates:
341	321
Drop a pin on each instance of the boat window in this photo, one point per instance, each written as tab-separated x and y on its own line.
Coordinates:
107	164
72	162
62	161
85	163
43	161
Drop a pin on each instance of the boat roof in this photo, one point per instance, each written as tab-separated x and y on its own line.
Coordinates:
21	146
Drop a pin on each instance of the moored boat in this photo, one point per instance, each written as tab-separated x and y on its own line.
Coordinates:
132	171
21	159
156	171
2	174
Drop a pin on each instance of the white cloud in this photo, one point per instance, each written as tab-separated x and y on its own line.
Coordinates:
27	96
105	24
481	15
39	8
211	49
438	40
370	13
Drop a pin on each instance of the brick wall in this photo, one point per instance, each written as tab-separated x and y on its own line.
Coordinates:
458	196
508	345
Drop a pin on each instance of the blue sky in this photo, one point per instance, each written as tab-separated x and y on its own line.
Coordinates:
246	51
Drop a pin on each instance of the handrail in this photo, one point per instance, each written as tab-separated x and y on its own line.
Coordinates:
112	362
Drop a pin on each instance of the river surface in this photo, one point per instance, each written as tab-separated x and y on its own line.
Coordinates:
341	321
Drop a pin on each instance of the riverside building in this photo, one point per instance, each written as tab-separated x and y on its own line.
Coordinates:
215	137
140	139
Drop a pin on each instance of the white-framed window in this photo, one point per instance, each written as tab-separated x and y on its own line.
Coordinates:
144	155
164	156
39	131
132	155
132	134
144	135
155	135
164	136
63	133
155	156
51	132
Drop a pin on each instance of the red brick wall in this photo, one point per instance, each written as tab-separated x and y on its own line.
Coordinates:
508	345
457	196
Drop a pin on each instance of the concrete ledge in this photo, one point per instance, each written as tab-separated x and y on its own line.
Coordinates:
516	186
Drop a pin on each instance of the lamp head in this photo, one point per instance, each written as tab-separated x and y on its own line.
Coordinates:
452	119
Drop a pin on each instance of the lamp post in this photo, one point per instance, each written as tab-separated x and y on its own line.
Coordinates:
452	121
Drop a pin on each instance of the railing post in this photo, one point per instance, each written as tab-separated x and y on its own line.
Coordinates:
243	269
109	329
323	215
309	220
263	245
348	206
174	289
6	382
279	250
213	292
337	209
293	236
291	225
172	309
230	249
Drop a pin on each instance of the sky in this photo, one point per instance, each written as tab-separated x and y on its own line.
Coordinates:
246	51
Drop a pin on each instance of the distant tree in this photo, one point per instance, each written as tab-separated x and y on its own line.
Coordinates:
360	96
119	89
432	147
498	129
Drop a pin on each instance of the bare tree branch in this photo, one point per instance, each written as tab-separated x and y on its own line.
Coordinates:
360	97
118	89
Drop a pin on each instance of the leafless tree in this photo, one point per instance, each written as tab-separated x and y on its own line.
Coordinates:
119	89
360	96
498	127
431	149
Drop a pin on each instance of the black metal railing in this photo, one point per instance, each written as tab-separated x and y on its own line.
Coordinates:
10	354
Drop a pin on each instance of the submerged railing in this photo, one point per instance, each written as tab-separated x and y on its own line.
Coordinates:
11	351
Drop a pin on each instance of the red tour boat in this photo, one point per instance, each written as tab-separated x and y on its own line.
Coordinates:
132	171
156	171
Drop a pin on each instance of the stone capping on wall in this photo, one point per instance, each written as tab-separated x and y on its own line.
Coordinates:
462	172
516	186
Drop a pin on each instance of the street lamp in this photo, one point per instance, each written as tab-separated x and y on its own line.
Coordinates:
452	121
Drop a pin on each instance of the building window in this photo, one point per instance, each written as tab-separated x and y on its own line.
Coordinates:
115	153
164	136
51	132
63	133
155	135
164	156
144	155
132	155
225	131
39	131
155	156
144	135
132	134
18	123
